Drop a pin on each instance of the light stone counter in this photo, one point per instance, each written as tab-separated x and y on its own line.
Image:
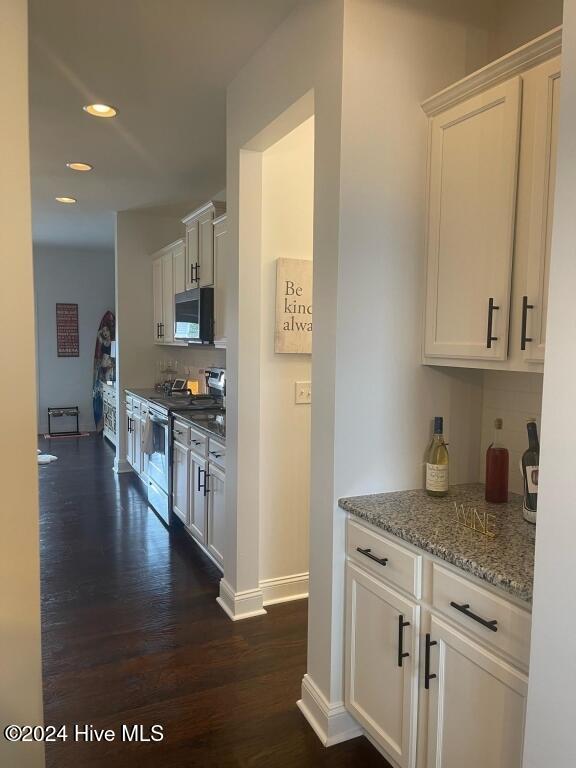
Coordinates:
505	561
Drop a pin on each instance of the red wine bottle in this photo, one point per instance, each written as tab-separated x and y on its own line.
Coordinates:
497	461
530	470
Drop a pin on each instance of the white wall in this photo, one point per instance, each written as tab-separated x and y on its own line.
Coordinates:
550	738
287	231
86	278
297	73
139	234
20	651
515	22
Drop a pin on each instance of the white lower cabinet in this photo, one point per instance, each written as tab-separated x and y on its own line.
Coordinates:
198	506
180	482
432	686
216	513
477	704
382	663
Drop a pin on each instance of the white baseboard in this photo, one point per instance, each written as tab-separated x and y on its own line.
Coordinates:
331	722
240	605
284	588
121	466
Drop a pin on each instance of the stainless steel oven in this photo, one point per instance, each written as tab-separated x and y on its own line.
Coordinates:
158	469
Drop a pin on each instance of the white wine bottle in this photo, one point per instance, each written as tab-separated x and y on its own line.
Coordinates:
437	462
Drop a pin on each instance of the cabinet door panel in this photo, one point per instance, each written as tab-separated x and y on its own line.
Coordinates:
180	481
206	249
191	254
472	197
220	276
179	268
198	500
542	86
381	695
158	299
216	514
167	299
477	705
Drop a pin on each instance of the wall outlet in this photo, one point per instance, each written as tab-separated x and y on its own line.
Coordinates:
303	392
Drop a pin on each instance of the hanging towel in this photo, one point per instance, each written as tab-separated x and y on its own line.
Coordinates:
148	437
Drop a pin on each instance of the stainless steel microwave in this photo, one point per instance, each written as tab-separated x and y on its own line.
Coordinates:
194	316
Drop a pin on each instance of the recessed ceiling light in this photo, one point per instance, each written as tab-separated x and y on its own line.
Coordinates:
100	110
80	166
67	200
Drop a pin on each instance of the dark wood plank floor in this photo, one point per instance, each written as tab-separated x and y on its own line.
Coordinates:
132	634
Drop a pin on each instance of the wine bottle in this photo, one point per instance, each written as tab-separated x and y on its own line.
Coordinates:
437	462
530	470
497	461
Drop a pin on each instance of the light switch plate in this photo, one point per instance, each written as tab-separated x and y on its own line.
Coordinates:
303	392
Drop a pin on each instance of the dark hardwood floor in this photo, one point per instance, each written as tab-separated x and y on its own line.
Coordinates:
132	635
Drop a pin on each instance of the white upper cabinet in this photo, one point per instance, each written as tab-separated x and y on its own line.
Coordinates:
220	276
167	280
179	267
472	198
191	254
491	178
200	244
168	298
158	298
536	205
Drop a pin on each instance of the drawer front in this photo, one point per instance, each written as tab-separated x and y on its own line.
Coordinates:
129	402
181	433
198	442
144	409
136	405
508	625
217	453
390	561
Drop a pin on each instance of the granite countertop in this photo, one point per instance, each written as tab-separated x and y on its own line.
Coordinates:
505	561
213	422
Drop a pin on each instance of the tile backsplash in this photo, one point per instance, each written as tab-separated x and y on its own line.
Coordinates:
515	398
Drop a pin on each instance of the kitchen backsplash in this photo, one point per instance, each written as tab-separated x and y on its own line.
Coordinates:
515	398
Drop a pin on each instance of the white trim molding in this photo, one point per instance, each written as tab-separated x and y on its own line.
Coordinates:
535	52
285	588
331	722
121	466
240	605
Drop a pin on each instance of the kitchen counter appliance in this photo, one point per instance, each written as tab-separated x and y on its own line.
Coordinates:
194	319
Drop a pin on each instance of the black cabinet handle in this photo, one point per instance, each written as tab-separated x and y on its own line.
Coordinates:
202	486
161	334
191	273
402	654
465	609
207	488
198	272
489	337
368	553
525	308
427	675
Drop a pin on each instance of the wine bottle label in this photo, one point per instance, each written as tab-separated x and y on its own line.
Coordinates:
436	477
532	479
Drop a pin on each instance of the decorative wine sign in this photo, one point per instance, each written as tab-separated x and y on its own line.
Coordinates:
293	334
67	338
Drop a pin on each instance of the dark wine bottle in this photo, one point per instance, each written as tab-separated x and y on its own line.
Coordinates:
530	469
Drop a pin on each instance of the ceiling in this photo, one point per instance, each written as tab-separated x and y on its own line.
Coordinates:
165	64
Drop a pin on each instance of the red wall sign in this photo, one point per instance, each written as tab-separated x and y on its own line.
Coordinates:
67	330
